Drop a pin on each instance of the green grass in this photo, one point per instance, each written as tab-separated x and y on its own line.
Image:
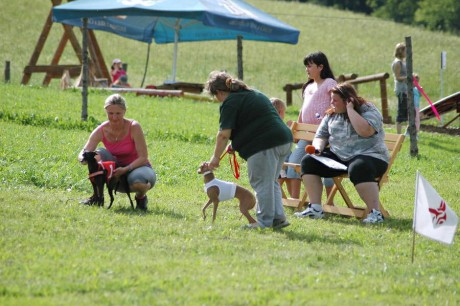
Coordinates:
54	251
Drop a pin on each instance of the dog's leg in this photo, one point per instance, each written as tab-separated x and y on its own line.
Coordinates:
214	210
100	181
213	195
203	210
109	188
247	202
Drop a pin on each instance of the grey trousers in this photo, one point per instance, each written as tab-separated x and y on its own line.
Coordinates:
142	174
263	170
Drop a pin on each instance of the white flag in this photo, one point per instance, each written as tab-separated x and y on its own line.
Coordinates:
432	216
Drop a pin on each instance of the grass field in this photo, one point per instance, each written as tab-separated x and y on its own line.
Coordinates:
54	251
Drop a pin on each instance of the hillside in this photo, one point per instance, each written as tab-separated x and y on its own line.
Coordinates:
354	43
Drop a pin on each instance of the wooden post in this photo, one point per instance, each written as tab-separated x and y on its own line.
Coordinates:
410	99
239	50
384	98
84	90
381	77
40	44
7	71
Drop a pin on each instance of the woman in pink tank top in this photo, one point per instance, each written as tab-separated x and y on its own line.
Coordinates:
125	144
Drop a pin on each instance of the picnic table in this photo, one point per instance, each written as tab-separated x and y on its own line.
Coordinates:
184	86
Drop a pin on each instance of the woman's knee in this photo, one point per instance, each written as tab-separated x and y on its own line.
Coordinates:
142	175
361	171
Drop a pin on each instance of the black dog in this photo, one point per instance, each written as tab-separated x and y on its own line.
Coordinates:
100	175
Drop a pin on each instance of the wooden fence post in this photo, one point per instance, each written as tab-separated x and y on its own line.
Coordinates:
410	99
7	71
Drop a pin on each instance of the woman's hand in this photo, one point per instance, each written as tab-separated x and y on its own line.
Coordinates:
230	149
214	162
121	171
350	105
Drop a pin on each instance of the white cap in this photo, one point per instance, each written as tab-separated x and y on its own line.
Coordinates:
116	61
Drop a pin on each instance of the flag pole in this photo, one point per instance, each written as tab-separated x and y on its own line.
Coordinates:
415	216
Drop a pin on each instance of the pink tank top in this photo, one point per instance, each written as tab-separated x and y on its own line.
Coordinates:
124	150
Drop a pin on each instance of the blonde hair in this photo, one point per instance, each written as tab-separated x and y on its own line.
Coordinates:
115	99
399	50
278	104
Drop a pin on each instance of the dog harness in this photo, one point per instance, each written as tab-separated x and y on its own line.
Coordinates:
227	190
106	167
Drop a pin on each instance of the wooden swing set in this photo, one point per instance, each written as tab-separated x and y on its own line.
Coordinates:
97	68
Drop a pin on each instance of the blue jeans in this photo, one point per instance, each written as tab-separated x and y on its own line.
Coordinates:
296	157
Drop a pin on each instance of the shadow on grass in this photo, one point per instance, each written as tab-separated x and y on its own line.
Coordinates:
390	223
152	210
309	237
402	225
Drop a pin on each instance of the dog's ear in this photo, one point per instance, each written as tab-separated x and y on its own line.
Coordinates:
89	155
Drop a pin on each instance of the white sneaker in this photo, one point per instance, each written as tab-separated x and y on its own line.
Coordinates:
310	212
374	216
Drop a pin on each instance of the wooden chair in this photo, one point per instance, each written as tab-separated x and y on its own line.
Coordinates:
307	132
393	143
300	131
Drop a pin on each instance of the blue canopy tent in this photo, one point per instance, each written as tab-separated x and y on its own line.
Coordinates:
174	21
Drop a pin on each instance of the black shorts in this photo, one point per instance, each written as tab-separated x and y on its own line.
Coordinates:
361	169
402	108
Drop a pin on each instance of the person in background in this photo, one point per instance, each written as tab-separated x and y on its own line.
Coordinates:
280	107
398	66
316	100
258	134
417	104
117	70
122	82
125	144
353	128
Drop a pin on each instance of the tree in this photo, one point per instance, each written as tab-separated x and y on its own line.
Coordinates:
440	15
397	10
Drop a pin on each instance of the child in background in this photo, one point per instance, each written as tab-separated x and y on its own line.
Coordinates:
280	107
117	70
417	103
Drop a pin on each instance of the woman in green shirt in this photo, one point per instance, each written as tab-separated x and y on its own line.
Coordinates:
257	133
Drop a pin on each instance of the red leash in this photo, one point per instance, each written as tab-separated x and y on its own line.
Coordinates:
233	164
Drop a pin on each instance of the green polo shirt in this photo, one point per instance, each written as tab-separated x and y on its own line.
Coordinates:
255	124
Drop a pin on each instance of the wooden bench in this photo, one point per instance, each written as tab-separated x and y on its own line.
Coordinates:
302	131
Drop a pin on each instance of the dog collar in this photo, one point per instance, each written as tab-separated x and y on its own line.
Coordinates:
207	172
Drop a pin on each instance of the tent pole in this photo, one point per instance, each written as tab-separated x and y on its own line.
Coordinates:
146	64
84	90
176	42
239	51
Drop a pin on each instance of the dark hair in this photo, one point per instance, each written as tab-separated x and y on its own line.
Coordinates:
220	80
347	92
318	58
